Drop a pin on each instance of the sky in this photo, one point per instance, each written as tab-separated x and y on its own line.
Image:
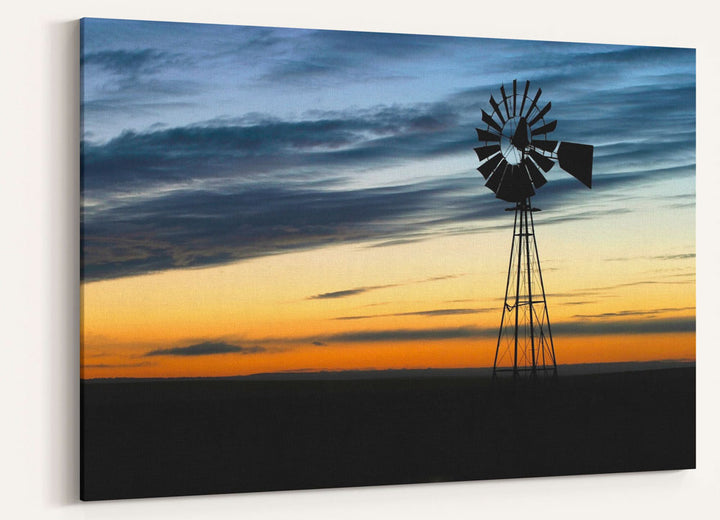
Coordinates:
281	200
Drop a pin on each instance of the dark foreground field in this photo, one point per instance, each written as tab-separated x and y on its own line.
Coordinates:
161	438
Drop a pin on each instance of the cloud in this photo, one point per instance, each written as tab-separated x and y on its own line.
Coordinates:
428	313
643	282
579	63
322	56
371	336
398	242
567	328
132	81
198	228
205	349
644	326
119	365
360	290
681	256
346	292
649	312
131	62
249	149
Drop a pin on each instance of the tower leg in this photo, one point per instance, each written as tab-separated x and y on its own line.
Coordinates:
525	345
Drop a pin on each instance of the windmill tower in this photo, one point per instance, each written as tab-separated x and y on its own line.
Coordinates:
515	155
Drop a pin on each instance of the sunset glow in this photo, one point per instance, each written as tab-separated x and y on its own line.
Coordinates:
252	207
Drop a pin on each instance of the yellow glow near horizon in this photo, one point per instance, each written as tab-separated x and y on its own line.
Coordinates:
456	353
268	303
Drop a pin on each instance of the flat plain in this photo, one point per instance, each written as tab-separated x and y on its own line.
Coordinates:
204	436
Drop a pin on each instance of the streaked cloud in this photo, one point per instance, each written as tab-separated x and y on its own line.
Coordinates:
131	62
117	365
247	149
360	290
645	326
200	228
566	328
347	292
428	313
644	312
682	256
205	349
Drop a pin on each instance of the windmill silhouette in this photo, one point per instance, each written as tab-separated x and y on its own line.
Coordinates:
516	154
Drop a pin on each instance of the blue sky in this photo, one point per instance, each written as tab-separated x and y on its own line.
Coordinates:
207	144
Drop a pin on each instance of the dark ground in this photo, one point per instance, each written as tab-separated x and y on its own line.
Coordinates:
186	437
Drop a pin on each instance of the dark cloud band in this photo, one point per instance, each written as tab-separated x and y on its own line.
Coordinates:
205	349
574	328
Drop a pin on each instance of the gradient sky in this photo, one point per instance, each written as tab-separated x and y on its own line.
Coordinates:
263	200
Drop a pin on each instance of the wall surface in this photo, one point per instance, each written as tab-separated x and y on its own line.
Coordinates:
39	318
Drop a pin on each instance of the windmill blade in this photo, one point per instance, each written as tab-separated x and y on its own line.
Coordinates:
545	129
515	185
577	159
496	108
488	120
538	179
522	105
514	96
548	146
534	102
502	91
484	135
542	161
490	165
541	114
494	181
483	152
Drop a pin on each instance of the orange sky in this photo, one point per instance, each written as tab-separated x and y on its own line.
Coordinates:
418	305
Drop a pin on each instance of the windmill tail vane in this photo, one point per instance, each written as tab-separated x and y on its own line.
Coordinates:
515	155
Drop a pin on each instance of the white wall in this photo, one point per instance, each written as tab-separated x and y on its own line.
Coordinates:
39	193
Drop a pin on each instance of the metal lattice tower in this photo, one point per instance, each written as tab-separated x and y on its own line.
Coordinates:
525	343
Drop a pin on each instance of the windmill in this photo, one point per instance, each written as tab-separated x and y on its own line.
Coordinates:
515	155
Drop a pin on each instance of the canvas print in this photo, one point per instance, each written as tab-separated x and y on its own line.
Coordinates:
316	259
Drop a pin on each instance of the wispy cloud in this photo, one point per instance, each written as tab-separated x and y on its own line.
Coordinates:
118	365
347	292
134	77
131	62
192	228
370	336
567	328
249	149
682	256
360	290
648	312
428	313
620	327
205	349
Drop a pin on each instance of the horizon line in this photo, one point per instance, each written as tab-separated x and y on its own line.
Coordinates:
575	368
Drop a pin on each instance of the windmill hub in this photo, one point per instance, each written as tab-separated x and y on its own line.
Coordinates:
514	139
